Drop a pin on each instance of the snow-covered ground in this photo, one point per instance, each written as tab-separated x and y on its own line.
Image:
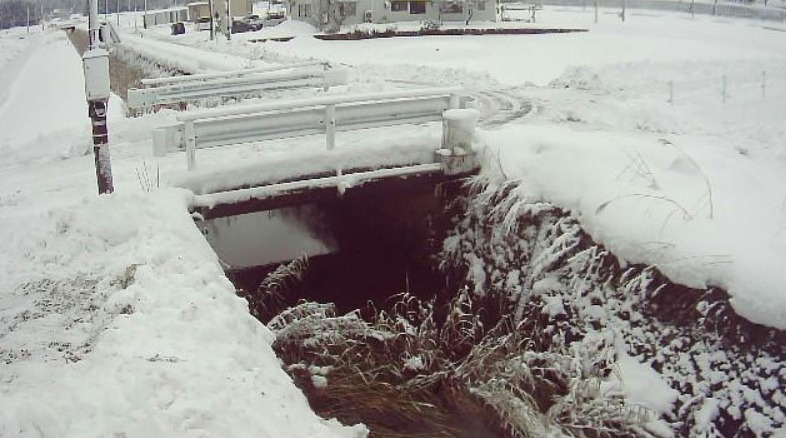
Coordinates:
122	291
115	315
691	186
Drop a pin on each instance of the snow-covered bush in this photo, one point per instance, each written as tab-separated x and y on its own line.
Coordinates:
719	374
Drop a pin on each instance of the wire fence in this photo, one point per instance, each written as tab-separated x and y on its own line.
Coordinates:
724	87
774	11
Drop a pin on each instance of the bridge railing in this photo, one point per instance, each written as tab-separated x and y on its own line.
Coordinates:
180	89
324	115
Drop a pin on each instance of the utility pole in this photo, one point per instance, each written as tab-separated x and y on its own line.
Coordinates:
96	68
212	24
229	20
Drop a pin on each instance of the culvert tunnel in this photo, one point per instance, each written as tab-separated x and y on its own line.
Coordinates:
366	245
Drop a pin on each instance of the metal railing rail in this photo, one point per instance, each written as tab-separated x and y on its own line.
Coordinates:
229	74
324	115
237	83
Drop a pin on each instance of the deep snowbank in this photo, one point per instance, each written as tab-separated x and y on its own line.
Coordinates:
118	310
693	188
115	315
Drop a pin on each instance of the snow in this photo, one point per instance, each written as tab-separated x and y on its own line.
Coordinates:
95	287
189	60
707	413
20	116
116	317
642	386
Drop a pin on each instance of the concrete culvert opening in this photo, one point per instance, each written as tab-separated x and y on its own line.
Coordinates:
367	252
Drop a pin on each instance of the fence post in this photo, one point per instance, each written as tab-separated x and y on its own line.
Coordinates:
455	101
330	126
190	136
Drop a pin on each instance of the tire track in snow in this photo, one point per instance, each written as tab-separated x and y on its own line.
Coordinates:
498	107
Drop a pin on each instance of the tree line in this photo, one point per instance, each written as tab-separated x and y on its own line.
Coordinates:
13	13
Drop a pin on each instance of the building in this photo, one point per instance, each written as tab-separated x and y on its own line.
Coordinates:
240	8
164	16
336	13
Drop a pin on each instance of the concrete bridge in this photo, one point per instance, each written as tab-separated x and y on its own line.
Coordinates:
330	173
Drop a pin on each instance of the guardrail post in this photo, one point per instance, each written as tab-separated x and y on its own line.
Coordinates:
458	134
190	137
330	126
455	101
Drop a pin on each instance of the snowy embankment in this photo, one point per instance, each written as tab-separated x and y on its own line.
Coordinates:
185	59
115	315
633	131
16	45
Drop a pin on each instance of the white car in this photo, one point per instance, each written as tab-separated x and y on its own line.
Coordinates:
203	23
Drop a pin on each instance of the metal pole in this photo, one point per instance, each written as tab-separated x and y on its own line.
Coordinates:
144	17
117	13
330	126
97	110
212	25
229	20
92	25
28	18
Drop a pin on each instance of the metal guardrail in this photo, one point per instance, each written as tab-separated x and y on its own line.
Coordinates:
181	89
324	115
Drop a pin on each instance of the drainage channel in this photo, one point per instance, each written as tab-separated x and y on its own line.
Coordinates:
359	252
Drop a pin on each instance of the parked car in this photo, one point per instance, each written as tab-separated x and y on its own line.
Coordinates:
240	26
203	23
253	22
178	28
